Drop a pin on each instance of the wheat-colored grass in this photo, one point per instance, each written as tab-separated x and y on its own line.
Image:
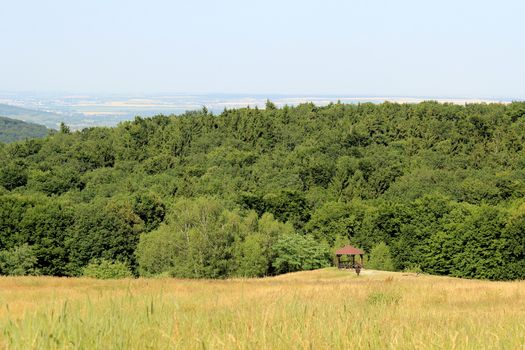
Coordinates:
323	309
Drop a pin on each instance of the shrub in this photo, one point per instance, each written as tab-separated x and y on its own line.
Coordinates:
413	268
380	258
106	269
251	256
201	238
157	252
19	261
294	252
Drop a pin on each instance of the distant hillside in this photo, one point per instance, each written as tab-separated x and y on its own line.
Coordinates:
51	120
14	130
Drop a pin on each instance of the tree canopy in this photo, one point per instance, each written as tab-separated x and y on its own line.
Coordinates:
251	192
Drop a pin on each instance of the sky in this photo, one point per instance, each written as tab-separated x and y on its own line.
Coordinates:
459	48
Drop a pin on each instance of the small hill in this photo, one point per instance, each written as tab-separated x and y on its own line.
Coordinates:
50	120
14	130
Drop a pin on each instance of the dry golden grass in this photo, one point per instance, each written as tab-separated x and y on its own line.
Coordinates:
324	309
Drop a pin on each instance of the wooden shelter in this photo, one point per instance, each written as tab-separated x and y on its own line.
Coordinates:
349	251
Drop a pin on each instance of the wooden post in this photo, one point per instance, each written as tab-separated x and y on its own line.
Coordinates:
338	263
353	260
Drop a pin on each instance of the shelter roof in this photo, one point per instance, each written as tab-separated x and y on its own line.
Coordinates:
349	250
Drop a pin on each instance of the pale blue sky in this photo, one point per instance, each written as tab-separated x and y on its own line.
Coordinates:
366	47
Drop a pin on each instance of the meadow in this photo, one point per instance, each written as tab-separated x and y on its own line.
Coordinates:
321	309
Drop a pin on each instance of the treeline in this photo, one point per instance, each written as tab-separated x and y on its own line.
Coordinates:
255	192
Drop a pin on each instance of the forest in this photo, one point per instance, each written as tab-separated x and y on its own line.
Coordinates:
255	192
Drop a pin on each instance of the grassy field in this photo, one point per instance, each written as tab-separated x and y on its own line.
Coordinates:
323	309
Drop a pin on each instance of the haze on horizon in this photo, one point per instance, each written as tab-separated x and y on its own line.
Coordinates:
471	49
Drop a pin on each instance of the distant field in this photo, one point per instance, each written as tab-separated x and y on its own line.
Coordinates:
308	310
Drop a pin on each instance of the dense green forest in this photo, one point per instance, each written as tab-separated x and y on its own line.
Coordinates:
252	192
14	130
